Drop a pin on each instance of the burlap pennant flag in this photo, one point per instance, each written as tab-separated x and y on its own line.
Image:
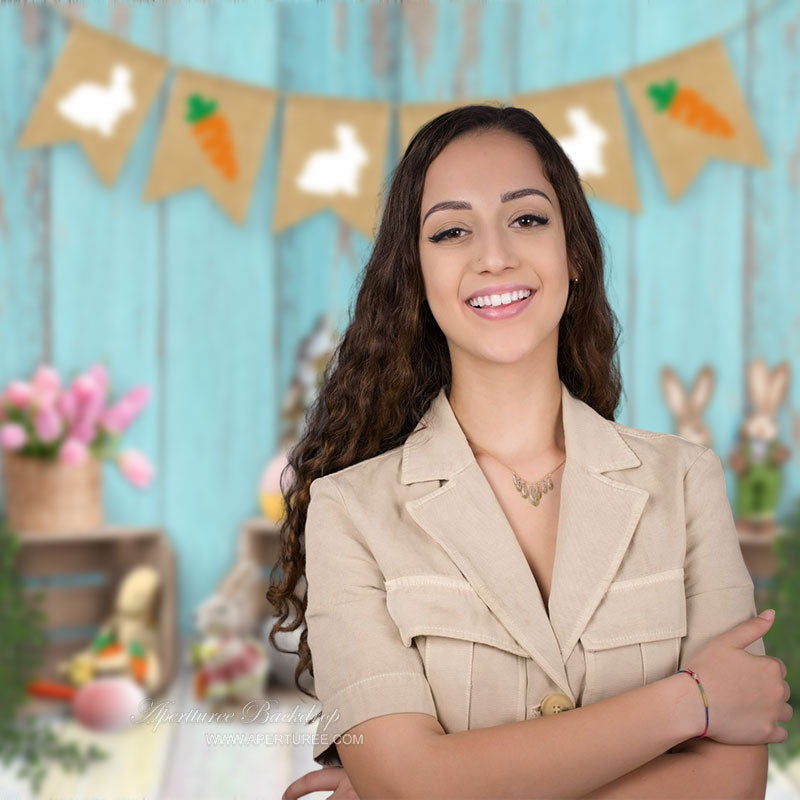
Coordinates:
214	134
98	94
587	120
691	109
414	115
332	156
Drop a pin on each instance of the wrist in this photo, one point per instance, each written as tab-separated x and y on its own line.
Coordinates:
684	697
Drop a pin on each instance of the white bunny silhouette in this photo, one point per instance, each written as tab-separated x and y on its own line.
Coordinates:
585	146
332	171
92	106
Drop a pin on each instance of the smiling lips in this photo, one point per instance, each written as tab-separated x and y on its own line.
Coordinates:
502	306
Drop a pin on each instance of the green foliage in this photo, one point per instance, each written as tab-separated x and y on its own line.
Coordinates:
782	639
26	741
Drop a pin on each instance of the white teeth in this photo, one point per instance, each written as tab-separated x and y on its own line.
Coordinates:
499	299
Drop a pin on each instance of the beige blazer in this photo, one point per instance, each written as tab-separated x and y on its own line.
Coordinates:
421	599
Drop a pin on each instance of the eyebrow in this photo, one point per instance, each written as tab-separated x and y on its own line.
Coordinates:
460	205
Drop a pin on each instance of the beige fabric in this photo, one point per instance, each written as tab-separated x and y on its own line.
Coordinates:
420	597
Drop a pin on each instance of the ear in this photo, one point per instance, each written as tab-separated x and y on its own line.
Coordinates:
757	380
703	386
778	383
673	391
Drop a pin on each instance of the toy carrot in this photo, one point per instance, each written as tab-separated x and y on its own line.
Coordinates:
50	690
110	649
213	132
138	661
200	683
102	640
690	108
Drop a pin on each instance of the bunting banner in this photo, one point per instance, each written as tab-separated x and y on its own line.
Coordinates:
691	109
333	150
412	116
98	94
587	121
332	156
214	134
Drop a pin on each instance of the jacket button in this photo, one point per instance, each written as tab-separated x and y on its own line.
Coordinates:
555	704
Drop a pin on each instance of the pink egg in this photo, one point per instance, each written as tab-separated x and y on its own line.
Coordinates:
108	704
270	477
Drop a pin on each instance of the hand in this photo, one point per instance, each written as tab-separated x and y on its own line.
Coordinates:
320	780
747	694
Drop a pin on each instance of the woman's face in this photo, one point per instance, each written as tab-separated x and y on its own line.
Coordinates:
488	240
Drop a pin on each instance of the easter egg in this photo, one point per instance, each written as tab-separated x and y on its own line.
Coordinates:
270	496
108	704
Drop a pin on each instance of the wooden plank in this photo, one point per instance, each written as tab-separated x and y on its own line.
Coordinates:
107	280
218	335
26	50
686	306
772	209
76	605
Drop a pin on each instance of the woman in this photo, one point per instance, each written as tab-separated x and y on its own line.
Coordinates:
484	547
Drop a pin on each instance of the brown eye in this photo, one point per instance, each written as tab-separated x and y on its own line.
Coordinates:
444	235
539	219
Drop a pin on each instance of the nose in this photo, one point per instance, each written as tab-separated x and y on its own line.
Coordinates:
494	251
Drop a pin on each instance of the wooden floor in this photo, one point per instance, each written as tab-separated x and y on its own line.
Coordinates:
208	760
201	760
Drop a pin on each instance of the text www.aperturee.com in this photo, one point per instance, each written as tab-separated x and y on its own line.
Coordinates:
270	739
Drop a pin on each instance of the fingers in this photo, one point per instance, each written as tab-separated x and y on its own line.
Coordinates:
319	780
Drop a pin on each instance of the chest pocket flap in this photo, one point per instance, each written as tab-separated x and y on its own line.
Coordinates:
438	605
637	610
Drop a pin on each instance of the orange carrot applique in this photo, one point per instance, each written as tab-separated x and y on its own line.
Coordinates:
690	108
213	132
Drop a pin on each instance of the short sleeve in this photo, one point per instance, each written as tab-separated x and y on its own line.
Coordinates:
362	669
719	588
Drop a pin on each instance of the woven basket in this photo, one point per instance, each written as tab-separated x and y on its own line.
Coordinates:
51	497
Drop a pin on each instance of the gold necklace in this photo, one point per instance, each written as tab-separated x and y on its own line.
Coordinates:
531	491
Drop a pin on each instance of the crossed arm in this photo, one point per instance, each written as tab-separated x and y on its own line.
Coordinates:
698	768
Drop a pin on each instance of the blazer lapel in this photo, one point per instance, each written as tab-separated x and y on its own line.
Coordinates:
597	518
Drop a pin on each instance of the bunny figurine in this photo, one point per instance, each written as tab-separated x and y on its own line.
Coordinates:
230	663
758	458
687	408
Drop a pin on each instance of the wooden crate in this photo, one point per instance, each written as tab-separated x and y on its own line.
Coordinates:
79	574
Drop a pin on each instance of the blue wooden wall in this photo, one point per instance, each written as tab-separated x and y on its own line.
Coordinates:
209	314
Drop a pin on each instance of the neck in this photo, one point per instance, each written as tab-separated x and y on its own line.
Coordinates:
518	423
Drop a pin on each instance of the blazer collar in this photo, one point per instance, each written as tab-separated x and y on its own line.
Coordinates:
597	517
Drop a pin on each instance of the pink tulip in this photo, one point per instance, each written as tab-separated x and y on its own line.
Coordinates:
135	467
12	436
19	393
67	404
48	424
73	451
85	386
92	394
119	416
100	375
46	385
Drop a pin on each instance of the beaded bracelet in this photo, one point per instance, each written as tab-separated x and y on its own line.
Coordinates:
691	673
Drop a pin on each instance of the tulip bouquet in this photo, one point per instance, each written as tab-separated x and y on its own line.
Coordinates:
43	419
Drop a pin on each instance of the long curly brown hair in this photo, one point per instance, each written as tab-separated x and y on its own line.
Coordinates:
393	358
